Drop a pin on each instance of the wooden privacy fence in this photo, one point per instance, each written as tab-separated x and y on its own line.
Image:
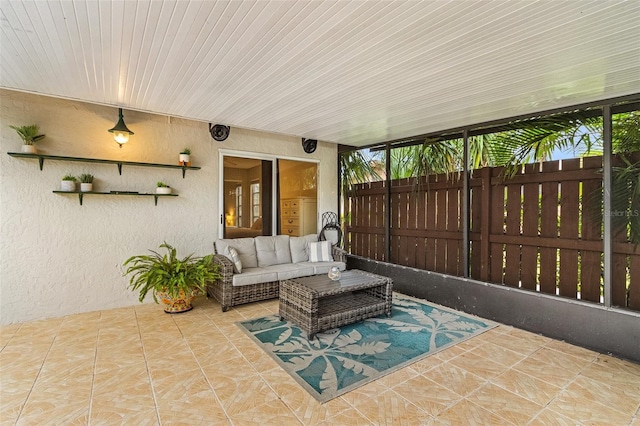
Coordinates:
540	230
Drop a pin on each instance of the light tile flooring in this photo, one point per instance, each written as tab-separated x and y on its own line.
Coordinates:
139	366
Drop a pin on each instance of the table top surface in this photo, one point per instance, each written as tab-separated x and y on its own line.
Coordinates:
349	280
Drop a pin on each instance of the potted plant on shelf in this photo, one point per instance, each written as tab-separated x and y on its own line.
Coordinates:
163	188
29	135
175	282
86	182
68	183
185	157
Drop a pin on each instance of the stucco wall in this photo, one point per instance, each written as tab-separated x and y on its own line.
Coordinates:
59	258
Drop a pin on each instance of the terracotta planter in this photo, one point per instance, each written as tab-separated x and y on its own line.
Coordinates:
174	306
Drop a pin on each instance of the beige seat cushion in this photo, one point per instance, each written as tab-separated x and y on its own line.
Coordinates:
254	276
323	267
292	270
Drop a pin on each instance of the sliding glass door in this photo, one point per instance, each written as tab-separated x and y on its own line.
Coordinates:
267	196
247	197
298	197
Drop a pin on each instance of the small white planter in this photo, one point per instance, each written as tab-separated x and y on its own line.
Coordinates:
185	159
67	186
86	187
29	149
163	190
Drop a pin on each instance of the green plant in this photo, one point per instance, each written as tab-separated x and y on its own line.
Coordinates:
29	134
163	185
86	178
70	177
167	273
186	151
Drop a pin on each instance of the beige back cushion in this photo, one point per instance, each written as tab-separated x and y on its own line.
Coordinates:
300	247
245	247
273	250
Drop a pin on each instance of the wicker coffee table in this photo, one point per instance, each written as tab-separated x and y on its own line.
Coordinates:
317	304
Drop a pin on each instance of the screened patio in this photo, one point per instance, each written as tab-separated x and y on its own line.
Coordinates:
562	280
513	216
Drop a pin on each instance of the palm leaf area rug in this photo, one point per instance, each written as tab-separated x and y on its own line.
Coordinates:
342	359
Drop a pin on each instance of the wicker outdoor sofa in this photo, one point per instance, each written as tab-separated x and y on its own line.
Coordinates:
252	271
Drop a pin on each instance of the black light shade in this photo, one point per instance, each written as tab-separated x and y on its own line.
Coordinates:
120	131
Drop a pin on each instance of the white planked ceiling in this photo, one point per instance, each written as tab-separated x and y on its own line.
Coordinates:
350	72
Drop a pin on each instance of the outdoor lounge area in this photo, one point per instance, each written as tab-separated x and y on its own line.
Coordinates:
396	212
137	365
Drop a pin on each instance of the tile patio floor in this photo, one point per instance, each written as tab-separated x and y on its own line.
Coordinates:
140	366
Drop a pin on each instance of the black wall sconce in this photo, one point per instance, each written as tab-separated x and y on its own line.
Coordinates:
120	131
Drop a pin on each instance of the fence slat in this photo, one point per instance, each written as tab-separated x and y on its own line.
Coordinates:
441	225
421	224
453	221
352	219
412	211
475	250
361	216
549	228
355	219
619	280
366	237
569	220
430	244
403	243
530	215
497	228
619	270
362	240
380	252
395	220
512	255
591	261
485	231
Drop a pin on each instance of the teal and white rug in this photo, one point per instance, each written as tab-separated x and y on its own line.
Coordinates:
345	358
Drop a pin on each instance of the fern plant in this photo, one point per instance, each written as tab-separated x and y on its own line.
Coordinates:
28	134
167	273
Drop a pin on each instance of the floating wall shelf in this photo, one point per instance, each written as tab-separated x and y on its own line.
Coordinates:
119	163
135	194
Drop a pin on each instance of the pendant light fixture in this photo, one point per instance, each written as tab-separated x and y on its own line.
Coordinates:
120	131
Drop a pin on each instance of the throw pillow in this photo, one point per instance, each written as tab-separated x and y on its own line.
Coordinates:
232	254
320	252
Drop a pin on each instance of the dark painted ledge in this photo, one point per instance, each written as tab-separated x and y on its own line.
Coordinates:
606	330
